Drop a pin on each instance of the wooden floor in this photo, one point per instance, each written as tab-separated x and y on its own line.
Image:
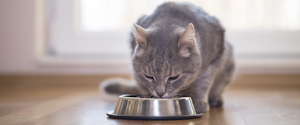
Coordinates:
244	105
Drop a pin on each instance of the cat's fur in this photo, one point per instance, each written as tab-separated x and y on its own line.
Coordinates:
179	49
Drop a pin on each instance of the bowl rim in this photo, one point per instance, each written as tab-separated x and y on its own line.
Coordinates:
126	96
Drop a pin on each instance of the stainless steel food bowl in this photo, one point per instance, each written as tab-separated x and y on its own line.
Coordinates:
133	107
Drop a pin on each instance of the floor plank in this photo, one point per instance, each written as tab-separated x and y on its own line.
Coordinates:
244	105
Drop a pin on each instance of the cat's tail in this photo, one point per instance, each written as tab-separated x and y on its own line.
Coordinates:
112	88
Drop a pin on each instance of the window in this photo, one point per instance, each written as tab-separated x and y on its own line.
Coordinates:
100	28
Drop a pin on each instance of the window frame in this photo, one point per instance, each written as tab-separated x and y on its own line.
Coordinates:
43	56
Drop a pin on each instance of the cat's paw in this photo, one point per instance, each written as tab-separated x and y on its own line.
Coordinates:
201	106
215	101
146	96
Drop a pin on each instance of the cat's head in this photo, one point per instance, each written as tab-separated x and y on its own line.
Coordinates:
166	59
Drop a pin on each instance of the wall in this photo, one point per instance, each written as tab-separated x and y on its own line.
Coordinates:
16	35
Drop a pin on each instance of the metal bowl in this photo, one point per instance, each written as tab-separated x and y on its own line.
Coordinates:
133	107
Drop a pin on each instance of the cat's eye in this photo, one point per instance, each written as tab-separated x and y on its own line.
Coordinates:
173	78
149	77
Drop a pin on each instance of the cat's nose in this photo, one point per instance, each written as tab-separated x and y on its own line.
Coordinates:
160	93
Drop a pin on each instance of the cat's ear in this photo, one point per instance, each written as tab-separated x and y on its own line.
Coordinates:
187	41
140	35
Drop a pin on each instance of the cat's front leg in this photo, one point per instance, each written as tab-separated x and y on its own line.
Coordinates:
200	88
199	94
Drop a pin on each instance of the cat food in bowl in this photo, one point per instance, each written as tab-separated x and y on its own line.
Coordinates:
134	107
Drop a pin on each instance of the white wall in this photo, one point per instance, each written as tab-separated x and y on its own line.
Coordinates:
16	35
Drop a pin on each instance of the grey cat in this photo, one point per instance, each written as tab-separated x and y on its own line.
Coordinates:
179	49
